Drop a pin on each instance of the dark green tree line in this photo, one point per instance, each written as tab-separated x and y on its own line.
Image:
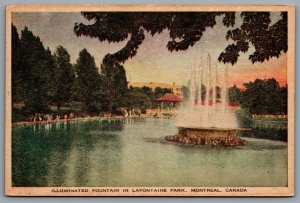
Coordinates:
261	97
41	79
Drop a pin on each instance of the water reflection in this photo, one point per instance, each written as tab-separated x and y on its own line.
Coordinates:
133	152
40	153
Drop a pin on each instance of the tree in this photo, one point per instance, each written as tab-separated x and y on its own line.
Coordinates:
264	97
284	99
36	71
114	84
15	67
159	92
88	79
135	98
234	94
64	76
148	97
185	29
273	97
186	93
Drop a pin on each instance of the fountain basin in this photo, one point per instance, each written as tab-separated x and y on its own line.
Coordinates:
207	136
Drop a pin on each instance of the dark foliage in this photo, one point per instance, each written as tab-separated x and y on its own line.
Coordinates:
88	81
16	69
64	76
268	41
261	97
185	29
114	84
35	66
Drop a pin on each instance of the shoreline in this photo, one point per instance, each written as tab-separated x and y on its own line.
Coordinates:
68	119
22	123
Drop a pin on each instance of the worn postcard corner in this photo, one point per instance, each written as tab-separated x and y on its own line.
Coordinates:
150	100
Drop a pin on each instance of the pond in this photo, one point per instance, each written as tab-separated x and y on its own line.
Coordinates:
133	152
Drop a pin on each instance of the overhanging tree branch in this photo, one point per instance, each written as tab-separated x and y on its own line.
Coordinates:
185	29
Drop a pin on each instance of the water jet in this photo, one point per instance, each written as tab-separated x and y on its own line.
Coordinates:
208	118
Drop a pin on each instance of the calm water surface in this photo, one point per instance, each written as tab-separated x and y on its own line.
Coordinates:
133	152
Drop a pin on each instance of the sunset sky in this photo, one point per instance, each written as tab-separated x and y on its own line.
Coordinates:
153	62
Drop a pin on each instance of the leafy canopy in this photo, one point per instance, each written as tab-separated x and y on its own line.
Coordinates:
185	29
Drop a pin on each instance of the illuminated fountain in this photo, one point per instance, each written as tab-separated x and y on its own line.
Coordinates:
207	119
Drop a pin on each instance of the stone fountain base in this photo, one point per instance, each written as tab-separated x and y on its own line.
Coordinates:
207	136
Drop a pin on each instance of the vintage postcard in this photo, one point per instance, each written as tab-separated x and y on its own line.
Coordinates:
150	100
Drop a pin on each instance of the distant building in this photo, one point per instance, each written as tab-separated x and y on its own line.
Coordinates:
176	89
